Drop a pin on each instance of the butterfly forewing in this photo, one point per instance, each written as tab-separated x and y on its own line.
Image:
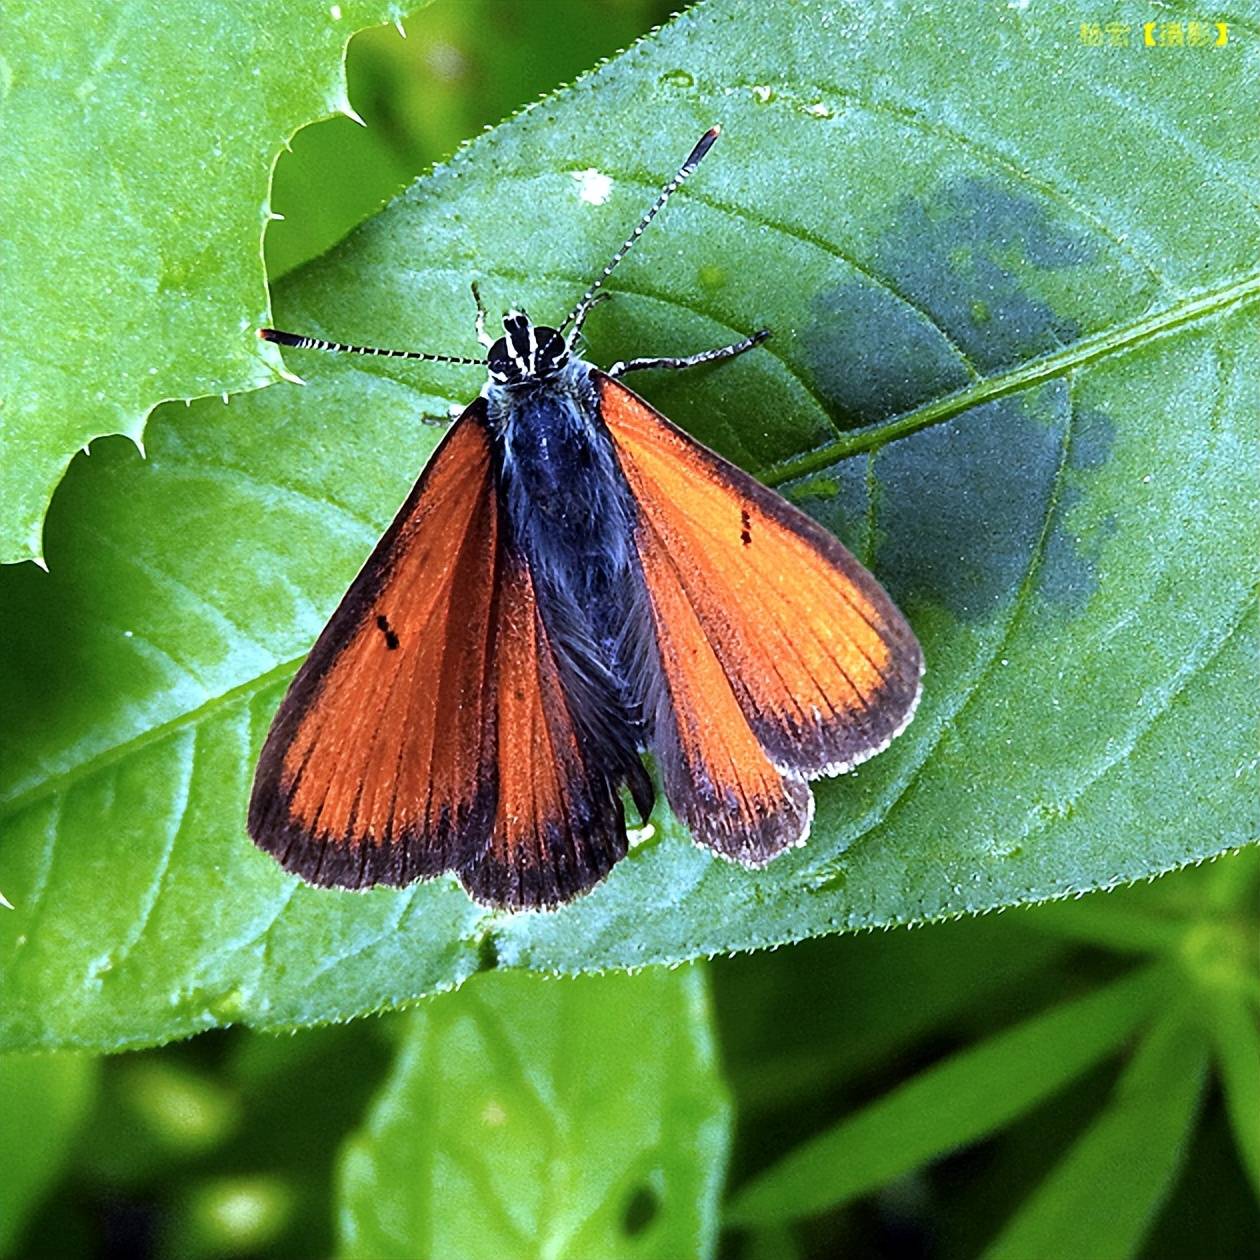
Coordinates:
429	729
380	765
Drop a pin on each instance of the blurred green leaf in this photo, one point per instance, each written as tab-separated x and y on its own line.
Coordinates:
772	1243
180	1111
155	1114
137	147
798	1023
464	66
231	1216
1237	1044
545	1118
1006	370
1232	886
1152	917
1103	1197
304	1095
228	1142
43	1100
1211	1210
1209	965
956	1102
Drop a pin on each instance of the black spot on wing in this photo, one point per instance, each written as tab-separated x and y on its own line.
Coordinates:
382	624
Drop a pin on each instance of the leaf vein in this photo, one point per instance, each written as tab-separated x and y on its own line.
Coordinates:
1206	651
1240	292
148	901
915	119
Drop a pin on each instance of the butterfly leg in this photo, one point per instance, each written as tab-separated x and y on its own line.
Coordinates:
691	360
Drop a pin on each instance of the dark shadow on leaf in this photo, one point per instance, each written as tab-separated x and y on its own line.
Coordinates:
959	300
1067	576
839	500
961	507
872	356
642	1208
963	504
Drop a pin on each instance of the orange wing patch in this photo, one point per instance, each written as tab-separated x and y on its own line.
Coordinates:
559	827
717	776
379	766
824	666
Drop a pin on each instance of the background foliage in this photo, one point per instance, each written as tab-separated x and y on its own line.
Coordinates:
1010	370
138	145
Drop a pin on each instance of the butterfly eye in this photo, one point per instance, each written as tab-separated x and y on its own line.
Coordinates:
551	352
499	362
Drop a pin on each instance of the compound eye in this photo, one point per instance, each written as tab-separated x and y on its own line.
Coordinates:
551	349
497	360
550	342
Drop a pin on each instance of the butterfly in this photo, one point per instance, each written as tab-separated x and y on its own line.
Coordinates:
573	582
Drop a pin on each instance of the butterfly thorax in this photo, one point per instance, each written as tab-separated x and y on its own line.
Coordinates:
569	513
566	497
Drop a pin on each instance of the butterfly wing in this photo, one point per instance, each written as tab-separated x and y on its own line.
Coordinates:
717	776
783	657
379	766
559	826
429	729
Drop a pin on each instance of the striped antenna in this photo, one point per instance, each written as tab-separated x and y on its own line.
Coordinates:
299	342
581	310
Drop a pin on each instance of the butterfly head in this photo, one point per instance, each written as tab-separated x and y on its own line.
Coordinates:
525	352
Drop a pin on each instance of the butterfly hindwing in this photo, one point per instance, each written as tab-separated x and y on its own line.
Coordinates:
814	655
559	827
716	774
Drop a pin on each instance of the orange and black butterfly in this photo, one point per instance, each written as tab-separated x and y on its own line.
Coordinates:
571	583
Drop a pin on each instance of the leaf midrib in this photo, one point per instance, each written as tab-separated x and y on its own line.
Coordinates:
1113	340
1199	305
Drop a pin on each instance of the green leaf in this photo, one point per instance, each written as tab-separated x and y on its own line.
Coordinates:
956	1102
1012	367
1101	1199
231	1216
1237	1045
137	149
559	1118
423	95
43	1100
796	1024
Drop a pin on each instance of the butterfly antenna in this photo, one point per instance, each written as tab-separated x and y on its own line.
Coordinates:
298	342
583	307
